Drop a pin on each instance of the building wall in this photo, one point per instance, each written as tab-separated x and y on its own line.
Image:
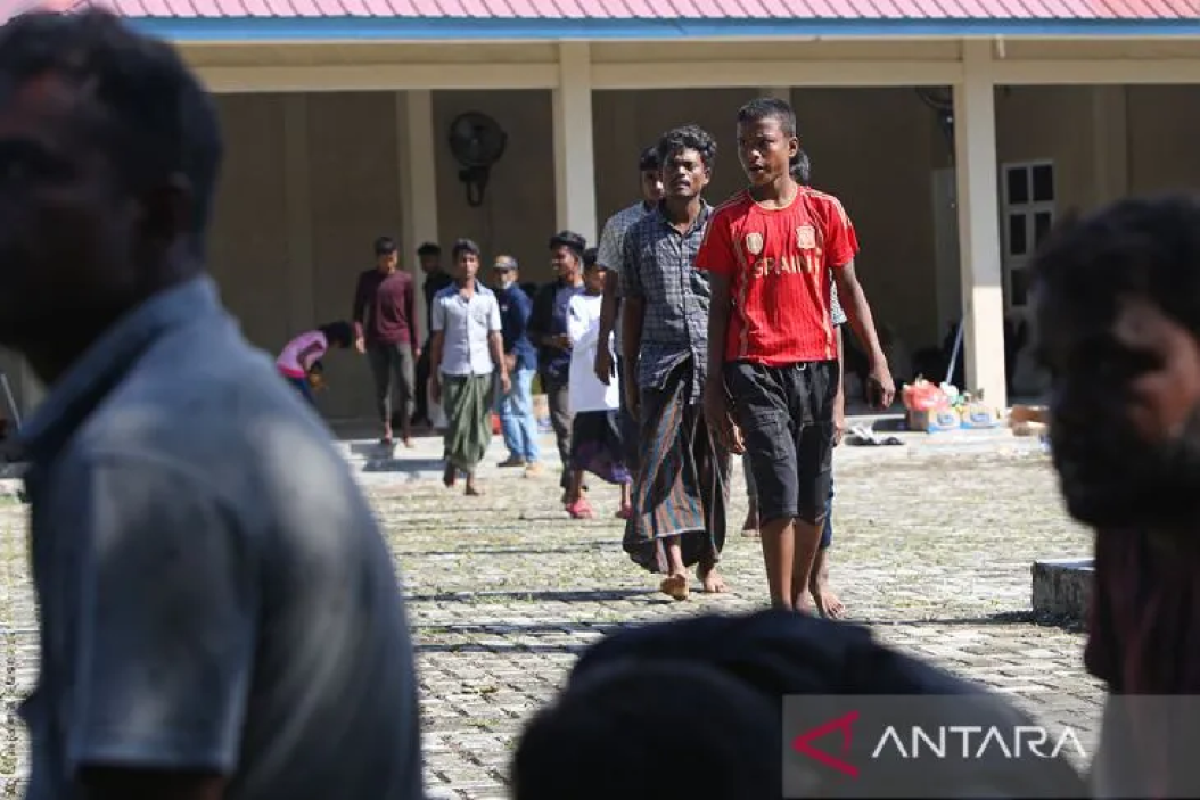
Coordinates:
518	210
305	192
1164	132
292	233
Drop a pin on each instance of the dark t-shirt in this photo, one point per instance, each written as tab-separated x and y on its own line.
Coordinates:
383	308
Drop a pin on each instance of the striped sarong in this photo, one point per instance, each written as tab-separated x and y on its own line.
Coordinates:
682	484
468	403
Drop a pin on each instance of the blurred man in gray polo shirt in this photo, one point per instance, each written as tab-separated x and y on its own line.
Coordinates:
219	613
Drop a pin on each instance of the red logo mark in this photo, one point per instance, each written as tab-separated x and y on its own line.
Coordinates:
803	743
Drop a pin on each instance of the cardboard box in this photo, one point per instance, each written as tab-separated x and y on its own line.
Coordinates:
934	420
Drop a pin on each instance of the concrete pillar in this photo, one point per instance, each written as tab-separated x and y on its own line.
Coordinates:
301	287
1110	144
979	224
417	158
574	157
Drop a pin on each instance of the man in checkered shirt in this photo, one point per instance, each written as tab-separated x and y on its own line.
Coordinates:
681	484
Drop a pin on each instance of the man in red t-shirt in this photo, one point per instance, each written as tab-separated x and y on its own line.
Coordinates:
768	252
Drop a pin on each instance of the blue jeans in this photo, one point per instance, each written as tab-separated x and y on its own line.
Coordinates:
301	386
517	423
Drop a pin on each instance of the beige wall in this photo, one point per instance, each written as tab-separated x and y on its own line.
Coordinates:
517	215
1164	138
264	245
292	233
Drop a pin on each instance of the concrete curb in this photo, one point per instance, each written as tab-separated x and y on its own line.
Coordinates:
1062	587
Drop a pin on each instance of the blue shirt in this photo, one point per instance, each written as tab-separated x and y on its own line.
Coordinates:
215	595
515	308
551	320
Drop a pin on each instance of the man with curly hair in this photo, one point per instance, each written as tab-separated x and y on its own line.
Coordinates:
679	499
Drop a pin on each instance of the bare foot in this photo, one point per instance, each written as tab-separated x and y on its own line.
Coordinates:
803	604
408	442
675	586
473	491
450	476
828	604
712	581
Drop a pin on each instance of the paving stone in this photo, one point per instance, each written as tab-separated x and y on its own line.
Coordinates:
932	549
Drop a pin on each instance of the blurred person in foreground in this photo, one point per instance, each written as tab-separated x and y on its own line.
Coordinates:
1117	299
219	614
693	709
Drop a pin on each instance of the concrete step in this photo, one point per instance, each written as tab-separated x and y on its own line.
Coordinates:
1063	587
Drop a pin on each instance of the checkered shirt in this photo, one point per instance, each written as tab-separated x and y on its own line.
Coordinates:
658	267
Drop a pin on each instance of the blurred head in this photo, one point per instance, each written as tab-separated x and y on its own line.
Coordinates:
686	157
429	255
648	166
338	334
644	704
593	272
767	142
109	154
504	271
385	254
600	740
466	260
1117	310
566	254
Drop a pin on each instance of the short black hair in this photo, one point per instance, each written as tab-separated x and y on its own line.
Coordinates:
385	245
157	119
802	168
687	137
338	334
463	246
569	239
761	108
591	257
1139	247
648	160
429	249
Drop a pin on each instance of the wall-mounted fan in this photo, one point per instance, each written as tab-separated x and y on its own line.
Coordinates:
477	142
941	100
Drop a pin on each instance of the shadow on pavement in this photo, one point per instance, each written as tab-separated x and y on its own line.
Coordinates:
531	597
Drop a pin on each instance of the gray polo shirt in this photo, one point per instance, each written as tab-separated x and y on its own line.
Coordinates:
611	252
214	592
465	325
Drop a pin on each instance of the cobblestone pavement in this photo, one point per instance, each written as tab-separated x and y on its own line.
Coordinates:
932	549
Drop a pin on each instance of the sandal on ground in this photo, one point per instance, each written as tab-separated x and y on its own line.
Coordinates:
580	509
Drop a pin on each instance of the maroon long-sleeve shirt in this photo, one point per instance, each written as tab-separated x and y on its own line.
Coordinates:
384	312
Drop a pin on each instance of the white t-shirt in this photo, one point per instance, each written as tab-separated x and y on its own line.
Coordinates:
585	392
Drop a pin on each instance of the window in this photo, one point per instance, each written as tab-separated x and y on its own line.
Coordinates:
1028	209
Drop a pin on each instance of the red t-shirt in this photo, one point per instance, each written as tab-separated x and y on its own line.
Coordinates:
778	262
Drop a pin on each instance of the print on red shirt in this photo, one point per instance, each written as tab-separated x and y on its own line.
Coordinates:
778	262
